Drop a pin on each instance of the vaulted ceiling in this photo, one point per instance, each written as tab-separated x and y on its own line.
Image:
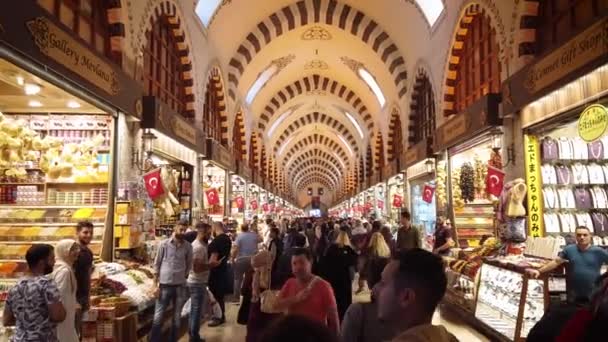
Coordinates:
300	72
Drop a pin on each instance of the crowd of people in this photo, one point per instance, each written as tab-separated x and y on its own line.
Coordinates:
293	281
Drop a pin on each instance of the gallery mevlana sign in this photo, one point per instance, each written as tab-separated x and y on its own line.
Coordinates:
67	51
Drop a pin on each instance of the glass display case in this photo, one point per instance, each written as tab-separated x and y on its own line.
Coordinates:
508	301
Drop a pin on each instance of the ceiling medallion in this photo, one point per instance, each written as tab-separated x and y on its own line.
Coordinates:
316	33
284	61
354	65
316	64
317	92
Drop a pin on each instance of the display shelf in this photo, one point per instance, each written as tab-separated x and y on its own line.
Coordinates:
42	224
508	301
53	206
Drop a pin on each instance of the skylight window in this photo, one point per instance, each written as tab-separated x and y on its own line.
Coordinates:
278	122
355	123
205	10
345	143
339	160
371	82
432	9
285	145
260	82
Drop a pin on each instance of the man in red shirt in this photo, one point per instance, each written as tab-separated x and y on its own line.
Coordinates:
308	295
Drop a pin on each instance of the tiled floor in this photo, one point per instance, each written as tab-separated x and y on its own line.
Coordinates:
233	332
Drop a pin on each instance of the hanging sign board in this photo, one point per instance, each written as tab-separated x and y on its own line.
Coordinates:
593	122
535	199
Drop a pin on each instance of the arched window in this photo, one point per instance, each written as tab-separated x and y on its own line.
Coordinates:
396	145
370	162
162	73
478	71
423	111
87	18
252	152
560	20
212	124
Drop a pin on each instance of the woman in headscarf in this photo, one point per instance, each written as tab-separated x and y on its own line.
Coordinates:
66	253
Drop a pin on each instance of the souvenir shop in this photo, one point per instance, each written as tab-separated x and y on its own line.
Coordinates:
240	187
253	197
395	193
216	180
420	173
470	145
59	153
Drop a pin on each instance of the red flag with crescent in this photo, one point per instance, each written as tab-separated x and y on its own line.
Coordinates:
397	201
213	197
240	202
154	184
427	193
494	181
380	204
265	207
254	205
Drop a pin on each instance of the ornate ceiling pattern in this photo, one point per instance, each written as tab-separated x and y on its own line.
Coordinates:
328	12
308	84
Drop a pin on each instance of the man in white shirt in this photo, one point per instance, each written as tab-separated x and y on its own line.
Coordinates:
197	279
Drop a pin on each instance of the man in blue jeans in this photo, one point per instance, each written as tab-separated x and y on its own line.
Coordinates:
173	263
197	280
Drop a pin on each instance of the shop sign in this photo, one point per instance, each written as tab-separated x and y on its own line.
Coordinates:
60	46
573	59
160	116
29	28
480	115
593	122
423	150
219	154
534	195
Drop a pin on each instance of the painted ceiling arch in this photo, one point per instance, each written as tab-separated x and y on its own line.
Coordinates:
311	180
328	12
327	166
314	153
318	174
310	84
317	120
312	167
318	138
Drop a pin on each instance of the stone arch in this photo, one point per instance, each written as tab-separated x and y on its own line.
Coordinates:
215	118
319	139
310	83
422	83
238	136
168	10
326	165
470	11
379	155
312	179
312	152
396	143
328	12
253	154
310	167
317	118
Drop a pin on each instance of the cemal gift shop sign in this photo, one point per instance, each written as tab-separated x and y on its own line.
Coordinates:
65	50
593	122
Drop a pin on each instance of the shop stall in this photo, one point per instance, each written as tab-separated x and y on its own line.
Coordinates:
471	170
241	184
395	193
58	146
564	117
253	200
420	173
216	179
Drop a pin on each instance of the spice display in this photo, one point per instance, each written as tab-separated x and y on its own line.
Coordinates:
440	187
481	171
467	182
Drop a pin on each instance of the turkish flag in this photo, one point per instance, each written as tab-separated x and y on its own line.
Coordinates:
265	207
368	206
254	205
240	202
154	184
380	204
494	181
427	193
213	197
397	201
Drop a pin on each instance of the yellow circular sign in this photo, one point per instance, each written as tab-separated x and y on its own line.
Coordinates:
593	122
